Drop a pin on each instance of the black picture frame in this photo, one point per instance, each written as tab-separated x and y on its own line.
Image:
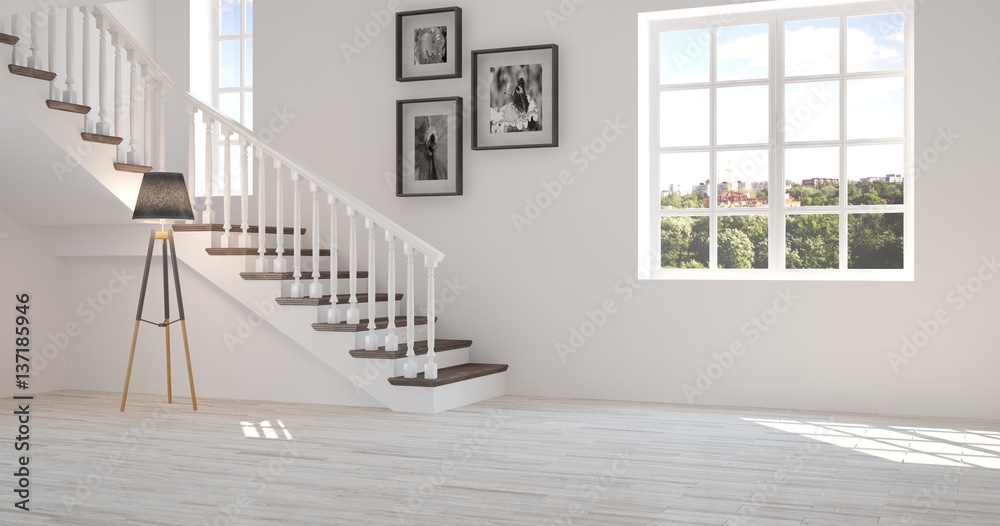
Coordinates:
502	124
429	26
419	126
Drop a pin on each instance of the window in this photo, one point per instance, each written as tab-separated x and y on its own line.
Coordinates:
233	79
776	142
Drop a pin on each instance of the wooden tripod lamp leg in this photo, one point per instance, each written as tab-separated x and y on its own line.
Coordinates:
128	372
170	394
187	355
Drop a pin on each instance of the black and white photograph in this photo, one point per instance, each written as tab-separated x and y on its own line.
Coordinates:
429	44
515	97
429	147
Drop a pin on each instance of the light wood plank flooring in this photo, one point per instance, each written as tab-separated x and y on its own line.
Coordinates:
509	461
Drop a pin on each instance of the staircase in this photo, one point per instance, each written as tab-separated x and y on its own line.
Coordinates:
352	317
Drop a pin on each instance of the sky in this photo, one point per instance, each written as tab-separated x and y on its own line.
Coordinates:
812	109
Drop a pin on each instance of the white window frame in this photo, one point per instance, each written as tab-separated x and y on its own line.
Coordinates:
218	38
775	13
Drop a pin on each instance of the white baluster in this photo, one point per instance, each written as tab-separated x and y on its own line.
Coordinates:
430	368
50	27
70	94
245	193
133	110
353	315
261	210
161	148
148	96
227	186
333	313
410	367
88	123
191	110
119	96
16	56
208	216
103	124
35	58
392	339
371	340
316	288
296	238
280	264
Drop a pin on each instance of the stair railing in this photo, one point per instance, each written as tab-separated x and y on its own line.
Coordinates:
129	103
324	201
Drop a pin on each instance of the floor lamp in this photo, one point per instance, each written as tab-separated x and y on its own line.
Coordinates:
162	196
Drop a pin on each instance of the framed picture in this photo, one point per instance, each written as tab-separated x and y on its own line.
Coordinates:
515	97
429	147
429	44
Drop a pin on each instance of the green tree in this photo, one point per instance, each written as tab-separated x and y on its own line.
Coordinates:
875	241
755	229
735	249
684	242
812	241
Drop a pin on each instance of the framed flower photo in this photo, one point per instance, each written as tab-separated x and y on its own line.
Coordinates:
429	147
429	44
515	97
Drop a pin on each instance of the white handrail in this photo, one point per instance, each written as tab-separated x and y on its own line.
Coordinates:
133	44
342	195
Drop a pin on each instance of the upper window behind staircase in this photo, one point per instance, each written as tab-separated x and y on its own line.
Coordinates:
234	60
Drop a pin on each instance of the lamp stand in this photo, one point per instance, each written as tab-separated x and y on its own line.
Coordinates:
168	243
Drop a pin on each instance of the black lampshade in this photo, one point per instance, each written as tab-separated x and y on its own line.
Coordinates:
163	195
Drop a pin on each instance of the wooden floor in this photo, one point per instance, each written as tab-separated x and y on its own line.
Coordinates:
510	461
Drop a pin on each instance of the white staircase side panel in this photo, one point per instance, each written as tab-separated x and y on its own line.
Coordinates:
450	396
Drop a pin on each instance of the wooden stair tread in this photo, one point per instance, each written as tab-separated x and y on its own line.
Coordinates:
103	139
31	72
419	349
362	325
252	251
342	299
285	276
251	229
9	39
67	106
134	168
450	375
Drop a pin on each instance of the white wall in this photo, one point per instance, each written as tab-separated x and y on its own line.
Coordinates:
525	292
139	19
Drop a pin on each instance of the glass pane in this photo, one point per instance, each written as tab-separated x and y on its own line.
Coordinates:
812	47
875	241
741	177
812	241
743	115
684	242
875	42
229	64
812	111
875	108
742	52
743	241
684	180
875	175
812	176
249	16
684	118
248	109
249	64
229	105
229	17
684	56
